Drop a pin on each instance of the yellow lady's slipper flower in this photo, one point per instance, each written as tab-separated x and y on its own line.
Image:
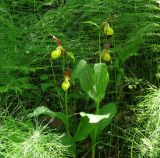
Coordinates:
56	54
107	56
65	85
108	30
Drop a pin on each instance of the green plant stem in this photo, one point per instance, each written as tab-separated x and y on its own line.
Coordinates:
94	138
66	103
93	150
55	83
66	110
65	97
63	65
97	107
99	44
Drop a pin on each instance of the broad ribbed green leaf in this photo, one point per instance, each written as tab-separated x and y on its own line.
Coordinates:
93	79
44	110
84	129
79	68
91	122
101	80
94	118
106	109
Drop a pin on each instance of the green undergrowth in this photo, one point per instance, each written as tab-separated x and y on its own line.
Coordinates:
136	129
20	138
144	134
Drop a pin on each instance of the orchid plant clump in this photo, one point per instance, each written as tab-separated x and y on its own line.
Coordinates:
93	79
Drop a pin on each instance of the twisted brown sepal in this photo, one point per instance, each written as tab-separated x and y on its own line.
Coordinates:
67	74
107	45
59	43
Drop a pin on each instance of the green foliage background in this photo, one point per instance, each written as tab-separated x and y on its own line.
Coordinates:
27	74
